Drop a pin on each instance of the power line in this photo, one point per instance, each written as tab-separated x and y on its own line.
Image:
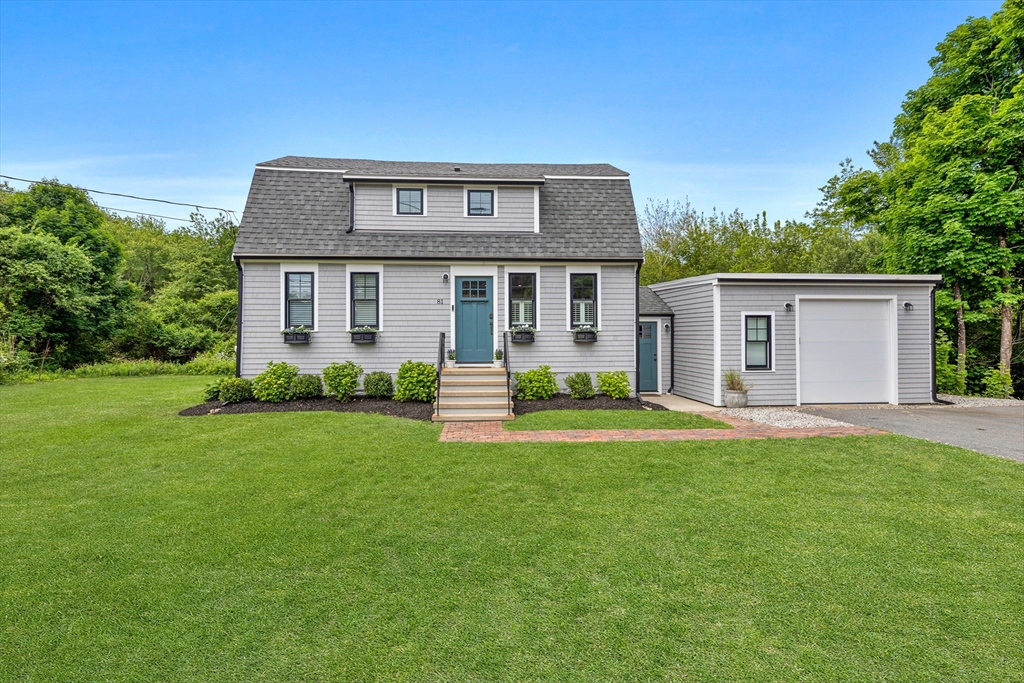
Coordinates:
143	213
118	194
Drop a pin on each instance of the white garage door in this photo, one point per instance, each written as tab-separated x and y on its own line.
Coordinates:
845	351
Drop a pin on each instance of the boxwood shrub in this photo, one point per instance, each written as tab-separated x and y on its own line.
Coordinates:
275	383
614	384
342	379
378	385
536	384
307	386
416	382
235	390
580	385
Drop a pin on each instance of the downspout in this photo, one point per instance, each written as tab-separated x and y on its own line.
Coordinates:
636	331
238	340
935	380
672	354
351	208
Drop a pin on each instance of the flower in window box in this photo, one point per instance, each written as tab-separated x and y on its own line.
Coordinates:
363	335
584	333
523	334
296	335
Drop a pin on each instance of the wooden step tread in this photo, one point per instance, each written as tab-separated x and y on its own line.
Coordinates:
465	405
475	393
481	370
474	418
456	381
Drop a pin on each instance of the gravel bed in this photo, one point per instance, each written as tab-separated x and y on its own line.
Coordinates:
979	401
784	418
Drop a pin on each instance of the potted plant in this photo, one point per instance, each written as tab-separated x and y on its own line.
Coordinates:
585	334
523	334
296	335
450	363
735	389
499	358
363	335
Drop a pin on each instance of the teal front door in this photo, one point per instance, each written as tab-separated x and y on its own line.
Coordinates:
648	334
474	320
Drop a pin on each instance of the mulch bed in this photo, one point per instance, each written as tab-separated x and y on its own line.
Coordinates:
567	402
412	410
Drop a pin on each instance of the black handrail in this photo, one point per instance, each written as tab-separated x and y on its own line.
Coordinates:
440	367
508	372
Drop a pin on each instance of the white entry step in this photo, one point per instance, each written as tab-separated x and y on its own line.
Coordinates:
472	394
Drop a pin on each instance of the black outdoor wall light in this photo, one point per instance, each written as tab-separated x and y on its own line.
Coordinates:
789	307
907	306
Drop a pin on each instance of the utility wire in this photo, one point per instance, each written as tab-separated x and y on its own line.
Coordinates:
118	194
143	213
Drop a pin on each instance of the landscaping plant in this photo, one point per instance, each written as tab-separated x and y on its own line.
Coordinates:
614	384
212	390
580	385
997	383
734	380
275	383
416	382
536	384
235	390
307	386
378	385
342	379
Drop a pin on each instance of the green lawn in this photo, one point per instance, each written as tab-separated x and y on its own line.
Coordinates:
137	545
613	419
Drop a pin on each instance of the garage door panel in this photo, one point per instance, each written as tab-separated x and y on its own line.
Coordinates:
844	351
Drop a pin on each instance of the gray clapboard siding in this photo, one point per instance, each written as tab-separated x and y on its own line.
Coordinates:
694	339
778	387
374	210
412	319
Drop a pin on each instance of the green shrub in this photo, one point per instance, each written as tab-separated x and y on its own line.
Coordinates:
211	364
997	383
949	381
211	392
536	384
342	379
378	385
416	382
235	389
275	383
614	384
580	385
307	386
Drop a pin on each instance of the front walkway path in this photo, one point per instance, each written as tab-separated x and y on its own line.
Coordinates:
488	432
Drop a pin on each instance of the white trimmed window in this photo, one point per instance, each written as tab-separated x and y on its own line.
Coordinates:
365	288
757	340
522	289
409	201
584	299
298	300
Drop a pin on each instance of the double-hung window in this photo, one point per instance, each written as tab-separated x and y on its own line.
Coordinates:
365	300
409	201
757	339
584	299
480	202
298	300
522	292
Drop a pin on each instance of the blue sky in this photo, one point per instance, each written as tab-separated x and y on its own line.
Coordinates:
734	105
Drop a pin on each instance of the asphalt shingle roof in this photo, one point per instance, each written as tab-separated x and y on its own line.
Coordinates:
296	214
652	304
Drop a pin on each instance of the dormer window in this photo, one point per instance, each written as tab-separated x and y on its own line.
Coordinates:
409	201
480	202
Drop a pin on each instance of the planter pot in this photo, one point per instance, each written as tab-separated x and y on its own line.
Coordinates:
584	337
499	363
296	337
449	364
735	399
522	337
364	337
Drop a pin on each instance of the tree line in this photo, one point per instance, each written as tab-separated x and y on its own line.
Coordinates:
945	196
80	285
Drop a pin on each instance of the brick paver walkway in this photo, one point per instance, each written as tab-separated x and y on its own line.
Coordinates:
742	429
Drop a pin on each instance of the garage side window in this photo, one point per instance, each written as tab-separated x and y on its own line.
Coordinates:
758	340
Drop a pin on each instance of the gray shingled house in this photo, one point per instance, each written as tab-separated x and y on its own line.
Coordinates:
379	259
381	262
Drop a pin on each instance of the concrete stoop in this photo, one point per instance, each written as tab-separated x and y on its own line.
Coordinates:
472	394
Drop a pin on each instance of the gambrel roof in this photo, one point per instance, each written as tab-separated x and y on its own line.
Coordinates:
299	207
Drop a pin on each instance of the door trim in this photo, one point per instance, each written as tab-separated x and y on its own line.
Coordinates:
658	322
894	375
471	271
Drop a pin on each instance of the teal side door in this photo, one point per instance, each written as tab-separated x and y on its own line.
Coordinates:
474	326
648	334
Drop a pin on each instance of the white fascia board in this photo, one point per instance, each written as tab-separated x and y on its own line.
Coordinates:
442	179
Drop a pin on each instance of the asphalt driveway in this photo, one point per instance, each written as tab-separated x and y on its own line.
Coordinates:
995	430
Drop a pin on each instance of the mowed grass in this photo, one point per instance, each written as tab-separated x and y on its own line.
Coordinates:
137	545
612	419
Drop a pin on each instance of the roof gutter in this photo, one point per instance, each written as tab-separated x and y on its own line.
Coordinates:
351	207
238	322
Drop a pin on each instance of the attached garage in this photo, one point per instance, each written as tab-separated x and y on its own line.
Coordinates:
804	338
